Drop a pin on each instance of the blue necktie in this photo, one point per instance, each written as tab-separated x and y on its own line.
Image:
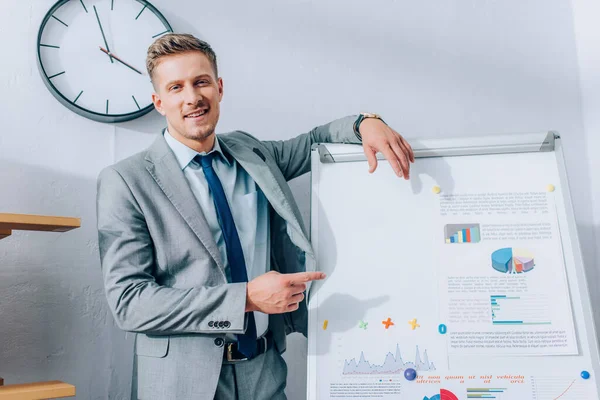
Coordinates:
235	255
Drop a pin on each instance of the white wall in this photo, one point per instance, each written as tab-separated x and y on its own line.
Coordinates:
431	68
585	15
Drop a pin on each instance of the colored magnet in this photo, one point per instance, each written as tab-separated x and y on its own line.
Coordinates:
363	325
550	188
436	189
325	323
585	375
387	323
410	374
413	324
442	329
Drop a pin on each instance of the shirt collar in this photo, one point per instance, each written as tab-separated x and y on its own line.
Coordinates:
185	155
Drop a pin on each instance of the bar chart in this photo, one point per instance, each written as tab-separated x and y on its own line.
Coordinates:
520	310
485	393
462	233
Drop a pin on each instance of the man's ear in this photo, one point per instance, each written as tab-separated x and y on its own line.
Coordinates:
220	84
157	103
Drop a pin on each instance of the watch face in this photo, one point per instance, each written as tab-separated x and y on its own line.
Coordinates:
92	55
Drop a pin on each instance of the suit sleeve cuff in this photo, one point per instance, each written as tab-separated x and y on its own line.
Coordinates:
230	317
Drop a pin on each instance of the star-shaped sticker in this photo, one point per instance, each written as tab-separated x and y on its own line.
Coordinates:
413	324
363	325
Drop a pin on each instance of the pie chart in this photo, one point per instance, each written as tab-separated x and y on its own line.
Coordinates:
512	261
447	395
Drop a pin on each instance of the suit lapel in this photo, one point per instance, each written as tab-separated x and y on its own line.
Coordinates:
165	170
254	164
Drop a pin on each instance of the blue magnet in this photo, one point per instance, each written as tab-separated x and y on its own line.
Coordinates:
585	375
410	374
442	329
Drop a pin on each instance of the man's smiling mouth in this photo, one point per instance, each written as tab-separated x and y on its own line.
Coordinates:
197	113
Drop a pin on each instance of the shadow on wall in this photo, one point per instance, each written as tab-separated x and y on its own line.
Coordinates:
151	123
55	320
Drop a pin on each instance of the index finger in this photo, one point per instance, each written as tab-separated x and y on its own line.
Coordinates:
301	277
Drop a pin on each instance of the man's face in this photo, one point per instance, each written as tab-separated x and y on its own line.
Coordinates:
188	94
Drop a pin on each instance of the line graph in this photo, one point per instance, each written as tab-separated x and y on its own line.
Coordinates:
392	364
551	388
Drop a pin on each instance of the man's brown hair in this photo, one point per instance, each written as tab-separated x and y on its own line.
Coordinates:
177	43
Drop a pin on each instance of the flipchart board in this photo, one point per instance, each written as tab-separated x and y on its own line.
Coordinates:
465	282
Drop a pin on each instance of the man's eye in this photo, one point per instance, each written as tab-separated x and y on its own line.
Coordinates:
174	87
202	82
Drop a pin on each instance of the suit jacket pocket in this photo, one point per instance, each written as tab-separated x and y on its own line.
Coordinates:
152	346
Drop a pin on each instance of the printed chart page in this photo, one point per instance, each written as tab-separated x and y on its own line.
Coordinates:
453	285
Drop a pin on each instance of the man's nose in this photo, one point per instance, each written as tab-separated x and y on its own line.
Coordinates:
191	95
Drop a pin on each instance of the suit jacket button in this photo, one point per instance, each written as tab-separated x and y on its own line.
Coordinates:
219	342
221	324
210	324
227	324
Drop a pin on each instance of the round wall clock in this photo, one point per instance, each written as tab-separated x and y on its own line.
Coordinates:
92	56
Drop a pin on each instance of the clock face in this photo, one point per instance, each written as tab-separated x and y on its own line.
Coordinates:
92	56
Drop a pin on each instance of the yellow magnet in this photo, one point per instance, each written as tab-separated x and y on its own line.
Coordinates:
436	189
325	324
550	188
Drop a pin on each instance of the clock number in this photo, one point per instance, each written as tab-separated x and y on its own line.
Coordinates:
107	106
112	3
49	45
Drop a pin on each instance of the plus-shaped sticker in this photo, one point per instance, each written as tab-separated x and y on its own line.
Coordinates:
413	324
387	323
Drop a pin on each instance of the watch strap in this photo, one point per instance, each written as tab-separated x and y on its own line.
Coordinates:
360	119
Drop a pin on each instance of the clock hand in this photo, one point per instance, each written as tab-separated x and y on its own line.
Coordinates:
103	37
119	60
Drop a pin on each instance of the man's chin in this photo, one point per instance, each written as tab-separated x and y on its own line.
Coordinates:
200	134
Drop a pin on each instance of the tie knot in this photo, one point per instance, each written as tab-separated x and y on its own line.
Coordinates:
205	160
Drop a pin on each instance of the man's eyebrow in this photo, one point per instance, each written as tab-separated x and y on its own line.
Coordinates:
181	80
172	82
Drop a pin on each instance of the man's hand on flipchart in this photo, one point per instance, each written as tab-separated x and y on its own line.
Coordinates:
378	137
275	293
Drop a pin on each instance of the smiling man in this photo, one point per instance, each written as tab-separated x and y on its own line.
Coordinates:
202	245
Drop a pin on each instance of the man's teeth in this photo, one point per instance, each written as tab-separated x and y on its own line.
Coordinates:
196	114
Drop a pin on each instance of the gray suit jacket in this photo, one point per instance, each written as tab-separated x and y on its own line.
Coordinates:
163	275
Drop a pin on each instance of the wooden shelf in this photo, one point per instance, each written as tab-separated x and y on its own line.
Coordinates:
26	222
37	391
